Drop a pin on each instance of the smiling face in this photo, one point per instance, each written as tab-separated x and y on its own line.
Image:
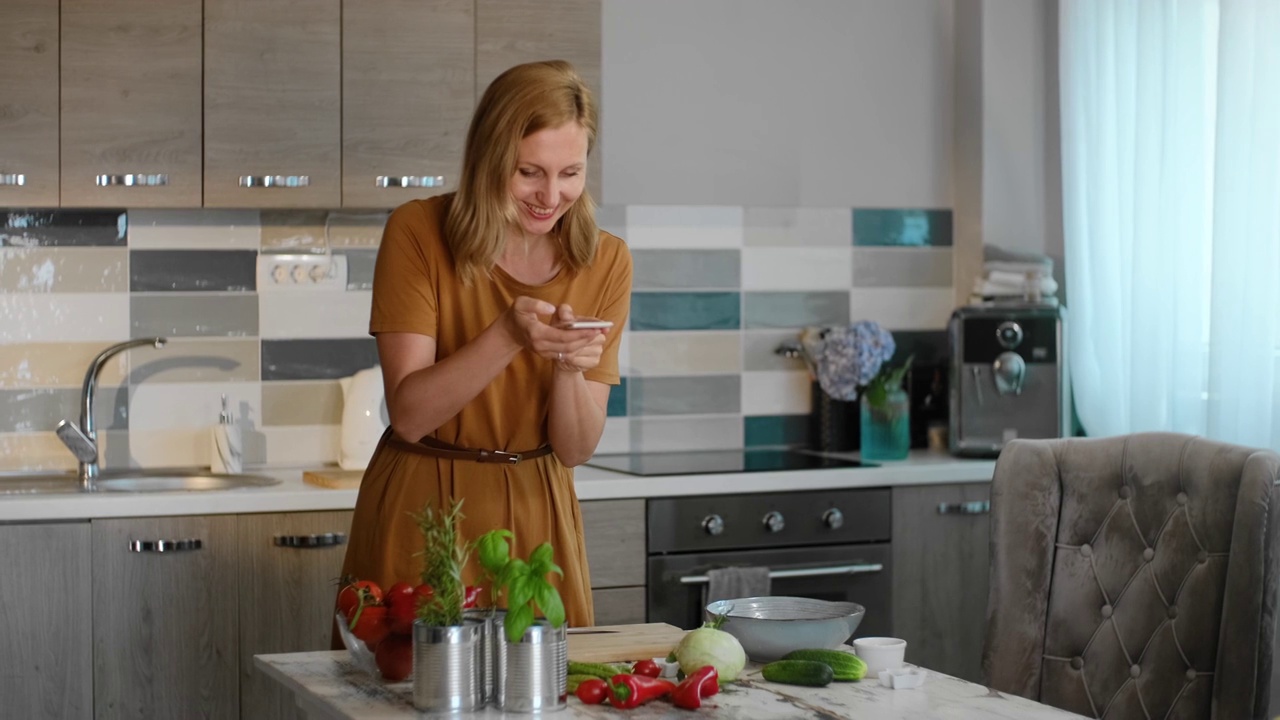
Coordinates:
551	172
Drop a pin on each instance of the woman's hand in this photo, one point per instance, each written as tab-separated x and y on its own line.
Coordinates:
571	350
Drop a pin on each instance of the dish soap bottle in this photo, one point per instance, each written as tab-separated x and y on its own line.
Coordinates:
226	453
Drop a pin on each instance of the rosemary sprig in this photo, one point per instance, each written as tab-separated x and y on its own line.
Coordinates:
443	557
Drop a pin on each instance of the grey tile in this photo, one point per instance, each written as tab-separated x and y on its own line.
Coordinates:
359	267
700	395
302	402
686	311
68	270
797	227
185	360
316	359
674	433
612	218
170	315
64	228
901	267
678	269
759	349
796	309
39	410
876	226
192	270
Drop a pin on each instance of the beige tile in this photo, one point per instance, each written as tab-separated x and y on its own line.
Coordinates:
34	365
301	402
45	269
287	230
683	353
901	267
197	360
34	451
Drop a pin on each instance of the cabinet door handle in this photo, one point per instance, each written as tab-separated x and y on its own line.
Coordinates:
319	540
12	179
855	569
285	181
132	180
161	546
975	507
408	181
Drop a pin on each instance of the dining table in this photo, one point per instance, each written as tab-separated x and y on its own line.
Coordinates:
328	685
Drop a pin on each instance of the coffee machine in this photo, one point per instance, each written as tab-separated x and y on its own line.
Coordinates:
1008	376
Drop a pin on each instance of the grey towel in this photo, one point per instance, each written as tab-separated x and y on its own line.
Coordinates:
732	583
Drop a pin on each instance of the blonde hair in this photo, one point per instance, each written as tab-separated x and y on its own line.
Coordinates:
521	101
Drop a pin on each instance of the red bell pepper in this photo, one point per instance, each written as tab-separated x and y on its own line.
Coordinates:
704	682
628	691
647	667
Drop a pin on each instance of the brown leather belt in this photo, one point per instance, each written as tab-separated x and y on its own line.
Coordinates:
439	448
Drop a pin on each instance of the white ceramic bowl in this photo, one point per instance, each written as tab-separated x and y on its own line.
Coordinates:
770	627
880	653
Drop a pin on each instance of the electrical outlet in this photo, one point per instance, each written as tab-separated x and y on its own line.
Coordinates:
301	272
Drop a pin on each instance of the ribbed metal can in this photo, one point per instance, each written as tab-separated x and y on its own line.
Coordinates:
531	674
447	671
492	619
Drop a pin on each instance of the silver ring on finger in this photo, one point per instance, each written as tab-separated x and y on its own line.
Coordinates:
559	357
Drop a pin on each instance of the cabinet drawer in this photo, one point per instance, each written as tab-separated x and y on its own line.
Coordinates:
619	606
614	532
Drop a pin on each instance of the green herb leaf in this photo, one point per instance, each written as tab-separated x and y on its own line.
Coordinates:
493	550
549	602
541	555
517	621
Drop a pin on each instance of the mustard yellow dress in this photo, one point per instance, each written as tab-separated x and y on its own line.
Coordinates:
417	290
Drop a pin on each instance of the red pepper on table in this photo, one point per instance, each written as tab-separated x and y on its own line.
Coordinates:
628	691
647	667
470	595
704	682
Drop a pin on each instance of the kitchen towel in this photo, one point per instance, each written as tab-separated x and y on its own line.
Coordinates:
732	583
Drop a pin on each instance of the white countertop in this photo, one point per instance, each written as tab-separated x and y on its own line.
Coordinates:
293	495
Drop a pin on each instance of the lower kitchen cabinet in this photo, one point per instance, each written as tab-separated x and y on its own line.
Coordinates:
615	537
289	569
941	566
165	609
47	664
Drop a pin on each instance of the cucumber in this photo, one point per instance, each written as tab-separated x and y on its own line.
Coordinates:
799	672
846	666
600	670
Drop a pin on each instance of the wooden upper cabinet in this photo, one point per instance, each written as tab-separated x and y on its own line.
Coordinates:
29	103
408	88
131	103
272	115
510	32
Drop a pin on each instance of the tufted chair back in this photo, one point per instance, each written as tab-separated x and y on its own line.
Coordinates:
1134	577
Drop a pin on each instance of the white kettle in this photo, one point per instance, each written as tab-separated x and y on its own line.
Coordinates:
364	417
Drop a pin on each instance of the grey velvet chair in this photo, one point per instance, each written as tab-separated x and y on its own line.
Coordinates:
1134	576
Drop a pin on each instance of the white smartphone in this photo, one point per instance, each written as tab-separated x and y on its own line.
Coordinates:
586	323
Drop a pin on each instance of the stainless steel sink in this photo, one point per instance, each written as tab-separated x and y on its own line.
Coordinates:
130	481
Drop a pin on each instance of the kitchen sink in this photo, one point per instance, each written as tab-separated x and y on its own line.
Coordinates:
130	481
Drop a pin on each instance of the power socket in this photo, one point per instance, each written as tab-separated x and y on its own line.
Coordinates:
301	272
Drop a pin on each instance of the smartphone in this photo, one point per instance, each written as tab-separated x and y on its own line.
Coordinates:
586	323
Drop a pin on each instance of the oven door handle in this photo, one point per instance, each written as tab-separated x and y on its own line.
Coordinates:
856	569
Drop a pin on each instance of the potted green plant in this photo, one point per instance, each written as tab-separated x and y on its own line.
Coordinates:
531	652
447	660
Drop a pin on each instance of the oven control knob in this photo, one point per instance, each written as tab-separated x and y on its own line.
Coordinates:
713	524
833	519
774	522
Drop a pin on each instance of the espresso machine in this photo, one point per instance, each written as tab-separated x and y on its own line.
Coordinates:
1008	376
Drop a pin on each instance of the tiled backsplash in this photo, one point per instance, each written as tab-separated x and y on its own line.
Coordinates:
716	290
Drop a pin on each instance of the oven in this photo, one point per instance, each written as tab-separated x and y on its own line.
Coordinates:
826	544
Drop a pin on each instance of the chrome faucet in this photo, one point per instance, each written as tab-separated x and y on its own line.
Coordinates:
82	439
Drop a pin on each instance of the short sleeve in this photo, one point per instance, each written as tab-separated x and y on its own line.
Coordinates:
613	264
404	279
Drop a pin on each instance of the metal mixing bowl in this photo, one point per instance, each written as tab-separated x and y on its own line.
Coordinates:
770	627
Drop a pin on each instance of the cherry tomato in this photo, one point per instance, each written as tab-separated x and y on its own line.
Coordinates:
358	593
370	625
647	667
592	691
401	592
394	657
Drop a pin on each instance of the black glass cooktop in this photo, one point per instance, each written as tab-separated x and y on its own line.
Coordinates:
717	461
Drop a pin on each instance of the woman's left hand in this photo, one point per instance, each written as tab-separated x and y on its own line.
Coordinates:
584	358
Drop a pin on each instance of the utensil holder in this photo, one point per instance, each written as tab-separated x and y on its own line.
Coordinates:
447	672
531	674
834	425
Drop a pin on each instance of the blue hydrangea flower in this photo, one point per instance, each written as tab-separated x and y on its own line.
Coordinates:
849	358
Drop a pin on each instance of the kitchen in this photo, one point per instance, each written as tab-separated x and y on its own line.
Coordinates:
739	177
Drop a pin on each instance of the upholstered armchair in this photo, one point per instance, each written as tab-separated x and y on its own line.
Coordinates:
1134	576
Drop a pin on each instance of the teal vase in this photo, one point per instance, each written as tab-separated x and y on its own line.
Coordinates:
886	429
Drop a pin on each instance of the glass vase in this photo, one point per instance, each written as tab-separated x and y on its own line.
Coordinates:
886	429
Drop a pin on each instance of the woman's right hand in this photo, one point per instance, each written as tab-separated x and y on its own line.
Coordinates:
525	325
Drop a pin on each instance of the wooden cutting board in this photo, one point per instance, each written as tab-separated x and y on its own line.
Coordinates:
624	642
334	479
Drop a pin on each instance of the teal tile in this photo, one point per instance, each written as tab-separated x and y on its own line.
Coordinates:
617	406
695	395
687	311
679	269
879	227
796	309
764	430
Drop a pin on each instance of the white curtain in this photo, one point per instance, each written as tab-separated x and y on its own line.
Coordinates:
1171	209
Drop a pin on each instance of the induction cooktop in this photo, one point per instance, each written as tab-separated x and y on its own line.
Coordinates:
718	461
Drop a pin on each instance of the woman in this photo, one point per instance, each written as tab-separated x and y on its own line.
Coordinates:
468	293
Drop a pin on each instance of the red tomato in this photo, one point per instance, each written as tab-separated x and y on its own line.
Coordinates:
371	625
422	594
357	593
647	667
395	658
401	592
592	692
401	614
